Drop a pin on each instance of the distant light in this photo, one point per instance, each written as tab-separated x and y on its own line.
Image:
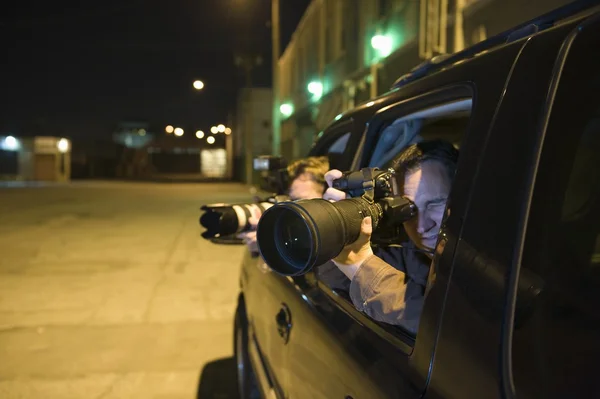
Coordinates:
370	103
210	140
214	130
338	117
227	130
178	131
169	129
198	85
142	132
383	44
10	143
221	128
286	109
63	145
316	89
200	134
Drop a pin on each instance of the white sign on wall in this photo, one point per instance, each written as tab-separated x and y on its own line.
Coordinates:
214	162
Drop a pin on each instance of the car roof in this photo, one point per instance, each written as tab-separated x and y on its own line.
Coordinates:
531	27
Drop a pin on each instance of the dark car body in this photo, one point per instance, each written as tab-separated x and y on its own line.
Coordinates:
512	306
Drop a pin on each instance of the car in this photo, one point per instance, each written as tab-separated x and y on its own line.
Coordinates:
512	303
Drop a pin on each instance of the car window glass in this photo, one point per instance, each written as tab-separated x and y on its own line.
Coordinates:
556	340
339	145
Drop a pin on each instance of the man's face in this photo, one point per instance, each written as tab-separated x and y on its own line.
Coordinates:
304	187
428	187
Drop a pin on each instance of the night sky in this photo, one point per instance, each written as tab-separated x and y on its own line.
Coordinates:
77	68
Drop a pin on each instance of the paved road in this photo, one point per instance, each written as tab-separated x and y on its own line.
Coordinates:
107	291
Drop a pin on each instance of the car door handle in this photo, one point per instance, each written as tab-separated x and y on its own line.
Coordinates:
284	322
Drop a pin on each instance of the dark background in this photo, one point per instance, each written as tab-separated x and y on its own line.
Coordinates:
78	68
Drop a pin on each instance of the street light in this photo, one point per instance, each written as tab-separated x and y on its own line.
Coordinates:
63	145
200	134
383	44
227	131
9	144
198	85
210	140
178	132
286	109
316	89
221	128
169	129
214	130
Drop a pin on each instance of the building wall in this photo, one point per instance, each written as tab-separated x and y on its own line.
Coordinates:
485	18
332	45
254	108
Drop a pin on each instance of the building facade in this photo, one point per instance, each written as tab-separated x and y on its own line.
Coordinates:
345	52
38	158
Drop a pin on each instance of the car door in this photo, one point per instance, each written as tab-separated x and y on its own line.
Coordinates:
551	348
471	334
268	294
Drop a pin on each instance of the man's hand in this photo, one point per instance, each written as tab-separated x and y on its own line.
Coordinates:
353	255
249	237
333	194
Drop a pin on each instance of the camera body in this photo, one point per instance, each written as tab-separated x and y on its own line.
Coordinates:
376	186
274	174
373	182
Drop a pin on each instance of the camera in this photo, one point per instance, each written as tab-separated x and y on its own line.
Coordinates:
221	220
293	237
274	174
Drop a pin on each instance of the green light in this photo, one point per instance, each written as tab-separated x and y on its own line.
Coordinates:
338	117
383	44
286	109
316	89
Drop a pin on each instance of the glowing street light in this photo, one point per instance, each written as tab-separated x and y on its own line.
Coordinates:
169	129
63	145
178	132
214	130
198	85
383	44
9	143
221	128
286	109
200	134
227	131
210	140
316	89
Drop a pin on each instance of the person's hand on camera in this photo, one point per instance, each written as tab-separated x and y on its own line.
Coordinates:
333	194
249	237
353	255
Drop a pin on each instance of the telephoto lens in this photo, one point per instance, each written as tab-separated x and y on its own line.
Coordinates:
224	219
293	237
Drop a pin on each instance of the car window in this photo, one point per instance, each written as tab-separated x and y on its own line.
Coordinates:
556	338
446	122
333	145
